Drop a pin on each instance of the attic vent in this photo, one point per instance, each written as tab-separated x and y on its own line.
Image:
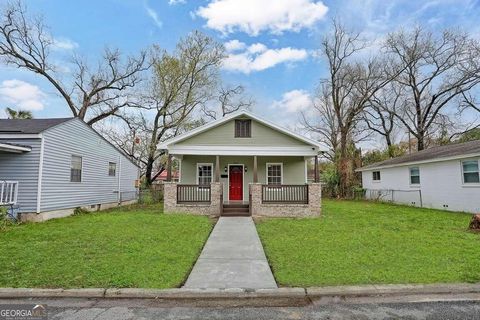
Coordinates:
243	128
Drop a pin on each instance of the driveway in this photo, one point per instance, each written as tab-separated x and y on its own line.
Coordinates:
233	257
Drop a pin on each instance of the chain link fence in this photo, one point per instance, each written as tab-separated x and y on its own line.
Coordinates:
150	196
143	196
128	195
408	197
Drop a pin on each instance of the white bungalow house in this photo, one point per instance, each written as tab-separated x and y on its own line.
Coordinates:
445	177
242	164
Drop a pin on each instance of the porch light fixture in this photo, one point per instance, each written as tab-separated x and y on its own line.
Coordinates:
246	168
225	169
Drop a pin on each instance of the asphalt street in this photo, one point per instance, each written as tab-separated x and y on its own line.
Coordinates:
84	309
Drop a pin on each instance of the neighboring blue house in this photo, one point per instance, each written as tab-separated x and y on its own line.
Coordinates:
49	167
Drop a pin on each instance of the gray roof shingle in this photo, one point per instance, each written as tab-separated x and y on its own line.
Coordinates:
28	126
451	150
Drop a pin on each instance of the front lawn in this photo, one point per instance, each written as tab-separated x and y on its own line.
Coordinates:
137	246
365	242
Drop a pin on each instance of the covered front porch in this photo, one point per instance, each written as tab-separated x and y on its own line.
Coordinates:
269	185
9	172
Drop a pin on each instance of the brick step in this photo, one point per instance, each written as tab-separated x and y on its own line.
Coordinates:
235	205
243	209
235	214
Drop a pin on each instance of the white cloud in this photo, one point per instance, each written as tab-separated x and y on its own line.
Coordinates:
257	48
64	44
294	101
257	57
255	16
234	45
154	15
22	95
175	2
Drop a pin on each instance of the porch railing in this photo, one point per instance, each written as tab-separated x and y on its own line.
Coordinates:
285	194
8	192
194	193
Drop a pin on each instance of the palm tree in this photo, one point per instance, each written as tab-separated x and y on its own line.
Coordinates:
20	114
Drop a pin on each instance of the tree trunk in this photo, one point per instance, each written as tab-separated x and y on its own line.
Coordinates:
148	170
475	222
420	141
344	167
389	145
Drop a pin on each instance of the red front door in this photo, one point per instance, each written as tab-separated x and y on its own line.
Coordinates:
236	183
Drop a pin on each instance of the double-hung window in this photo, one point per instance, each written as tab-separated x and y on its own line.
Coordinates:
470	171
76	169
204	173
376	175
274	173
415	175
243	128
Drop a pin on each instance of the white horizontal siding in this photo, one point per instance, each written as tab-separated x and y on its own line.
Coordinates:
96	187
23	167
441	185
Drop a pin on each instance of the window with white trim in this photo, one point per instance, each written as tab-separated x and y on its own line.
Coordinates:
470	171
204	173
274	173
415	175
376	175
76	169
112	169
243	128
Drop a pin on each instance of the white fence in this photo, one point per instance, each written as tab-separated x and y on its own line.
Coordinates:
8	192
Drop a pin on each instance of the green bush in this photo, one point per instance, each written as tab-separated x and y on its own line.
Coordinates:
79	211
4	220
331	178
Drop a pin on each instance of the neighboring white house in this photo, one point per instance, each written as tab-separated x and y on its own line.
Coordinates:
49	167
445	177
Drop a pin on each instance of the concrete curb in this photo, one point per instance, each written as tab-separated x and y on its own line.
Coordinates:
392	289
280	296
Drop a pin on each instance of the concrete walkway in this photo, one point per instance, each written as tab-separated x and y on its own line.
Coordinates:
233	257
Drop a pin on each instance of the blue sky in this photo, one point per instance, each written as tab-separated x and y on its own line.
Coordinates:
272	44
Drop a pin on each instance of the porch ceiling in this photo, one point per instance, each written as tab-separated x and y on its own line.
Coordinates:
244	150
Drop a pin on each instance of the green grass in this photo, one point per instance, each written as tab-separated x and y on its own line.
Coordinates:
137	246
365	243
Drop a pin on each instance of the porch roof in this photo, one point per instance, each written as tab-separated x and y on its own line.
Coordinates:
14	148
243	150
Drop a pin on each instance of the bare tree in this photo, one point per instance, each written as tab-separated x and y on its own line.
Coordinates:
321	120
350	85
127	133
94	93
469	101
230	99
379	114
437	69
